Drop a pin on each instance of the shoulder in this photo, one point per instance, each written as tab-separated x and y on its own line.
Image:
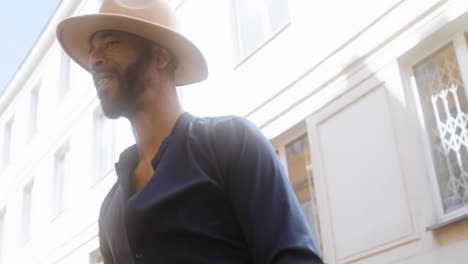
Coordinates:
232	138
228	134
106	201
224	139
225	127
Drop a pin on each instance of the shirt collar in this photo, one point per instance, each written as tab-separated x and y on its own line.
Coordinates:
128	159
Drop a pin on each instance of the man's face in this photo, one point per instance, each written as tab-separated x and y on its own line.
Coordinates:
117	61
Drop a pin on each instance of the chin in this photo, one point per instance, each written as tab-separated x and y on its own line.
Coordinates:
112	115
111	111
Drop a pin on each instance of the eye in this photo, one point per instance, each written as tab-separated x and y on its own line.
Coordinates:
111	43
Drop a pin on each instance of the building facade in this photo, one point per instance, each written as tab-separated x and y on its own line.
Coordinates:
364	101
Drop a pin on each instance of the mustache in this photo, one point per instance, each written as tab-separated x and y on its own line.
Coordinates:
103	69
100	73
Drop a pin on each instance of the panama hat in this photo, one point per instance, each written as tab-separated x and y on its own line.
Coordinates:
151	19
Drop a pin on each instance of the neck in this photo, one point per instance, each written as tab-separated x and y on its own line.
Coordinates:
153	119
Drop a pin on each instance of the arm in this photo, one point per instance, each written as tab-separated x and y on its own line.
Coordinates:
104	247
272	221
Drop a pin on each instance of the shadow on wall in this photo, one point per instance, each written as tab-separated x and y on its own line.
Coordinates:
379	193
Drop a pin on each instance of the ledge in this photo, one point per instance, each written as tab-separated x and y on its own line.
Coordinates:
447	222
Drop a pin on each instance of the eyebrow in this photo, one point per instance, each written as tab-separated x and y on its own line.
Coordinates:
103	35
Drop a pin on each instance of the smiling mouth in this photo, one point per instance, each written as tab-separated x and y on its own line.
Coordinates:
102	76
101	84
103	81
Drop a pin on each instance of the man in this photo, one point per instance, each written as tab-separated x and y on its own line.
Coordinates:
191	190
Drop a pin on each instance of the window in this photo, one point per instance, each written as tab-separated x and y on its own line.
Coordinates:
2	234
104	145
6	149
33	108
26	213
258	21
175	4
96	257
296	156
64	84
61	180
441	89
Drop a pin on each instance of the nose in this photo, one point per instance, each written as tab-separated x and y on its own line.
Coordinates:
96	58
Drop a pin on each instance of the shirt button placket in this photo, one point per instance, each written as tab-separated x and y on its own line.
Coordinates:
139	258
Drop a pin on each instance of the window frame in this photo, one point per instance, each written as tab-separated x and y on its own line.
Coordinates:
59	207
3	213
34	98
6	155
65	74
446	36
241	55
26	213
95	257
279	144
176	4
100	123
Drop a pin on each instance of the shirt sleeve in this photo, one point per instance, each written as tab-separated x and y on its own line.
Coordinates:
264	202
103	245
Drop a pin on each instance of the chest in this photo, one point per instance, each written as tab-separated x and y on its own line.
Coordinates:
176	206
142	174
195	219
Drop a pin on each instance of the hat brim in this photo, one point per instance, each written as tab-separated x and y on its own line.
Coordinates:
73	34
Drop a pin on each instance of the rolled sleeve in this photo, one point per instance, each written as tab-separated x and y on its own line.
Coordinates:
264	202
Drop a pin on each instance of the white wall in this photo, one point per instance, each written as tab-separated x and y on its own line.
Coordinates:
72	235
337	64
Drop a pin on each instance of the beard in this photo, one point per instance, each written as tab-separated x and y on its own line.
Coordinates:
130	85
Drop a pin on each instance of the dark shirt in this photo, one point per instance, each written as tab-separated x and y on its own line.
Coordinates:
219	194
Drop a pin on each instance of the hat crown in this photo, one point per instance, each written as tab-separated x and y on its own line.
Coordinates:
153	20
154	11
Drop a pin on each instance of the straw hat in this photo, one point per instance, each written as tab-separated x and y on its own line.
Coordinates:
150	19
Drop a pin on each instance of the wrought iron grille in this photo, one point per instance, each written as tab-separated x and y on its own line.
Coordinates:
444	106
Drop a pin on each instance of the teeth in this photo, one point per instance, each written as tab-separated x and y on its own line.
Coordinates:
102	81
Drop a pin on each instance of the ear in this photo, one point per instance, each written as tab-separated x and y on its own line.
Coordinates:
163	57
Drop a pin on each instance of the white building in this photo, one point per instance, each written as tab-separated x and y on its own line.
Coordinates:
365	102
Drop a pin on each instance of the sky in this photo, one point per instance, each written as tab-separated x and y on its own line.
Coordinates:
21	24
